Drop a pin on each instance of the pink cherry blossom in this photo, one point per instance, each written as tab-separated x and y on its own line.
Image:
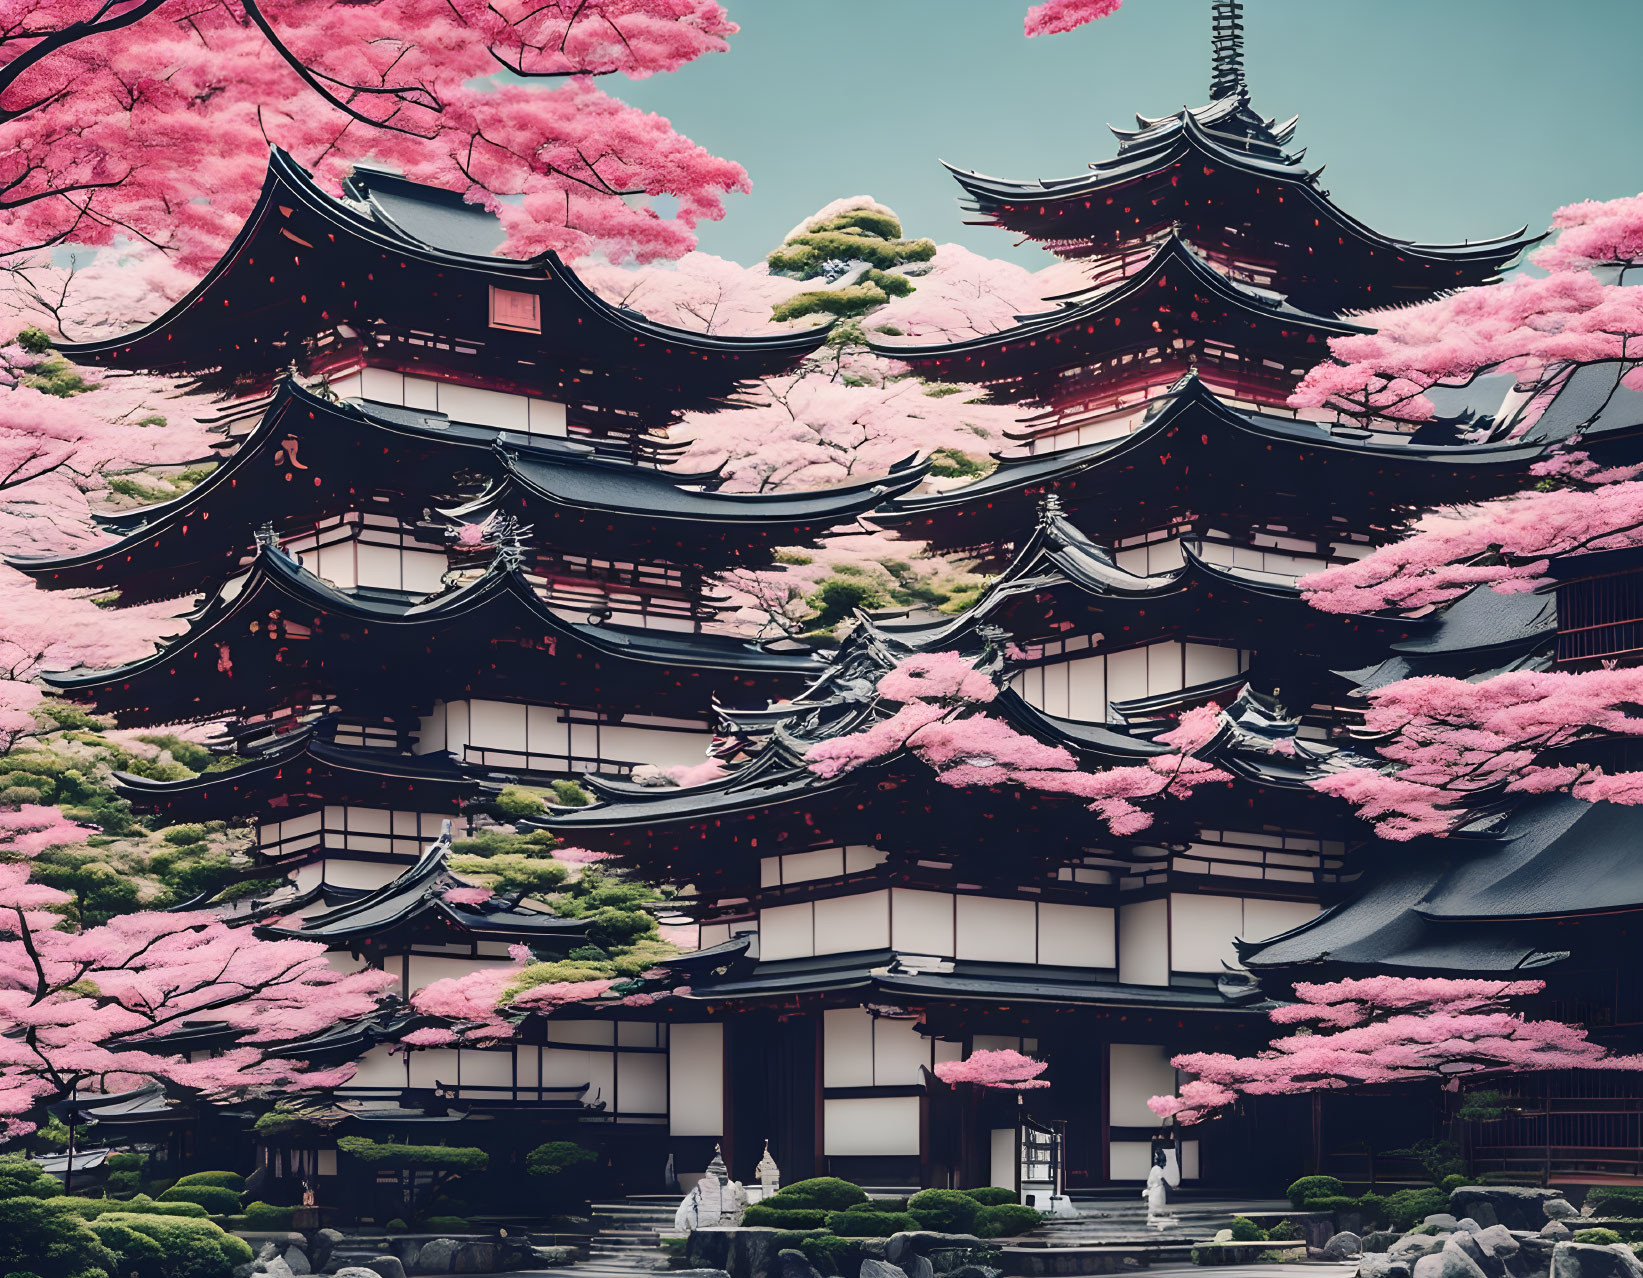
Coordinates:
150	120
1000	1068
1595	233
1057	16
1388	1030
1446	740
467	895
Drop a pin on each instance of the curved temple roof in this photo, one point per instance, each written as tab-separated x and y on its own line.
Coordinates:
345	454
1208	170
1194	452
306	263
451	635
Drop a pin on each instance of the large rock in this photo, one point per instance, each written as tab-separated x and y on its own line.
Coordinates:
918	1266
1380	1239
408	1250
1496	1241
1515	1206
1411	1247
1451	1262
1591	1260
697	1273
792	1263
386	1266
1343	1246
437	1256
1469	1226
355	1271
976	1271
325	1242
1559	1209
553	1257
1463	1241
1557	1231
1443	1222
275	1268
707	1248
474	1258
871	1268
1377	1264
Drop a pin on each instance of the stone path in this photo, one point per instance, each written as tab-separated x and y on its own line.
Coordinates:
629	1238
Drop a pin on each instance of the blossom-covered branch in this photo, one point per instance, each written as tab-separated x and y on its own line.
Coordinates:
1002	1068
1387	1029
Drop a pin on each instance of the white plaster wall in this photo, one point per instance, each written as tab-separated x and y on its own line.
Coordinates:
695	1100
1143	943
1136	1072
880	1125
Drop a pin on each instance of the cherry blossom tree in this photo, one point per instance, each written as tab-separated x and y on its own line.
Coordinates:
1003	1069
1595	233
92	1007
150	120
1056	17
940	721
1449	740
1387	1029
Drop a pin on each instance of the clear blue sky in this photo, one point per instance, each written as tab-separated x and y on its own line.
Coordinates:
1438	119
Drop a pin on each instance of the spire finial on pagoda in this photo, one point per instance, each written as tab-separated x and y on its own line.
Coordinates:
1227	45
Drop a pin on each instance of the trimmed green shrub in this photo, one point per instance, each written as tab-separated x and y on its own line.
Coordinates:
827	1192
771	1215
1339	1202
1006	1220
833	1256
38	1239
189	1248
447	1225
1284	1231
20	1178
396	1226
992	1195
1407	1206
214	1198
882	1204
91	1208
1314	1187
557	1156
1424	1229
220	1179
1609	1200
870	1224
1449	1184
1601	1237
260	1215
948	1211
793	1239
181	836
1246	1230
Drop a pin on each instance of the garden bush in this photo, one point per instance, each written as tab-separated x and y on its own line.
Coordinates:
1373	1208
35	1238
260	1215
20	1178
1308	1187
396	1226
91	1208
214	1198
1339	1202
190	1248
1613	1200
447	1225
771	1214
1284	1231
1601	1237
992	1196
1408	1206
870	1224
882	1204
1451	1183
828	1192
948	1211
1246	1230
557	1157
1006	1220
219	1179
833	1256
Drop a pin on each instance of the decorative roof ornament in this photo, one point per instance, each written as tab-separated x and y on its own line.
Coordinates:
266	536
1049	508
1227	45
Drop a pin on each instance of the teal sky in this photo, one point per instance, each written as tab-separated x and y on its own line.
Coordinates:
1437	119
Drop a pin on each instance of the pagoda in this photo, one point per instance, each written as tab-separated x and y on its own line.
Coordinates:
437	556
860	927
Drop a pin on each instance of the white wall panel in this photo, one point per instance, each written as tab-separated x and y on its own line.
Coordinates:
380	1067
1202	929
487	1069
641	1083
1143	943
1137	1072
996	930
787	931
900	1053
922	922
1076	935
483	407
1263	919
847	1047
845	924
695	1102
433	1065
1001	1151
594	1033
360	874
1129	1159
567	1067
877	1125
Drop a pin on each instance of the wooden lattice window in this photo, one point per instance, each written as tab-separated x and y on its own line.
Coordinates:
511	309
1600	617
